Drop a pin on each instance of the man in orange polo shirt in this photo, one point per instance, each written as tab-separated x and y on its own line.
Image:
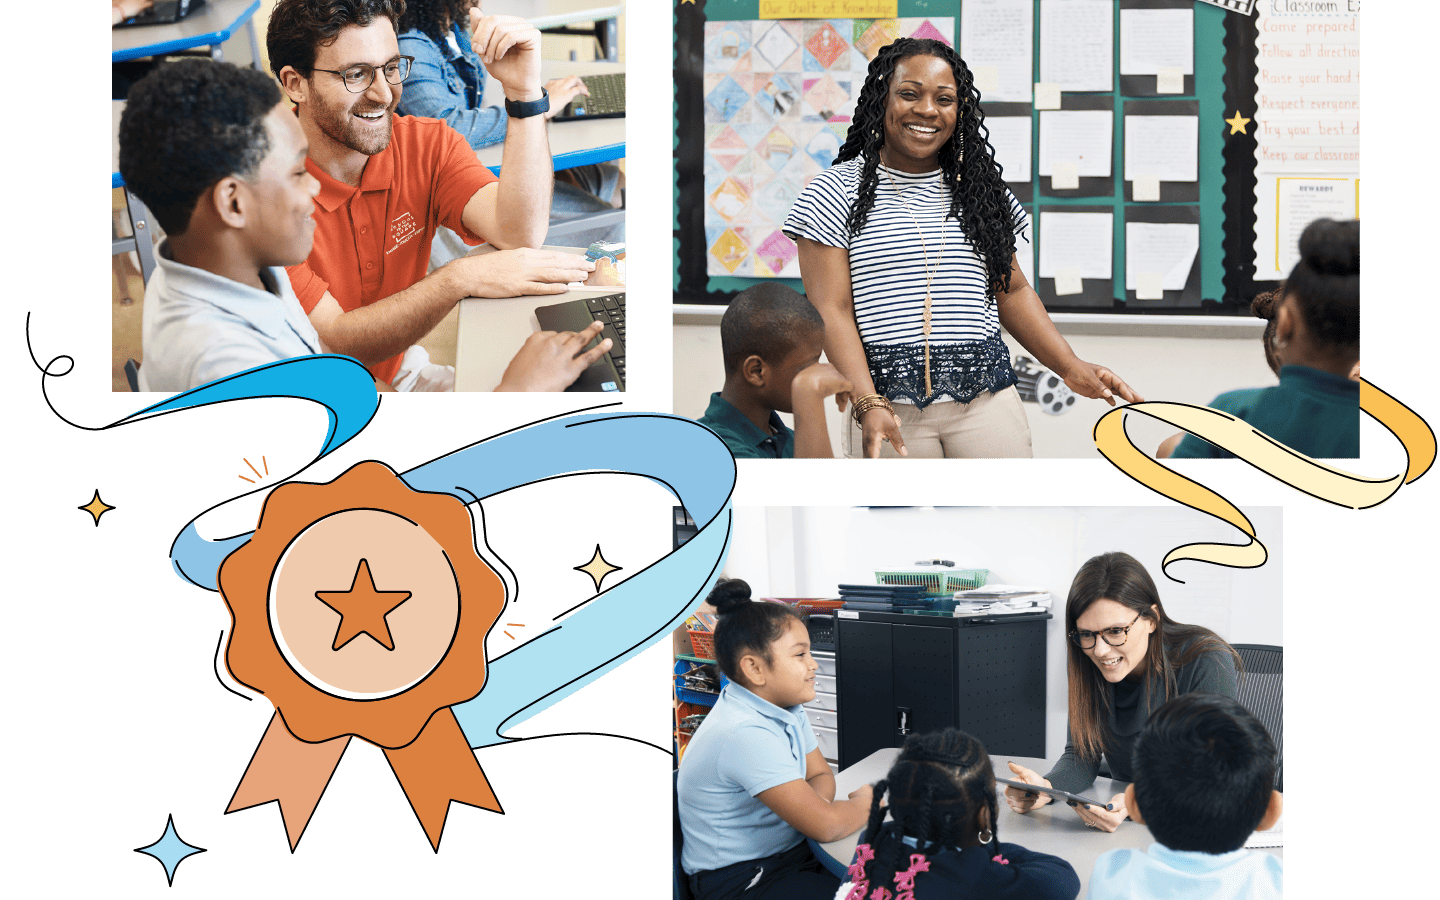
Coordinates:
387	182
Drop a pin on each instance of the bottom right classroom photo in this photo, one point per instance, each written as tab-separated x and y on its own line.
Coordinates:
987	702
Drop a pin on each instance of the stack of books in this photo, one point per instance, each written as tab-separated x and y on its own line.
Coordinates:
1001	600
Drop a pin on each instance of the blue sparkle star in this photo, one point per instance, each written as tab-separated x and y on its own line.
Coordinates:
170	849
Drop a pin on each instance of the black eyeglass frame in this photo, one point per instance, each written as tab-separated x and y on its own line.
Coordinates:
1076	635
374	70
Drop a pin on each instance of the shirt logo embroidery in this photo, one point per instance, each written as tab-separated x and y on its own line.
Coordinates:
402	230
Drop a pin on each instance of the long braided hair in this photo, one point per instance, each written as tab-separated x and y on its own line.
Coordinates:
978	197
433	18
938	785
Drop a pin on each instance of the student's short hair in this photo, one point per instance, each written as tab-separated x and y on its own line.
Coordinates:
1204	770
299	28
745	625
187	125
1326	281
767	321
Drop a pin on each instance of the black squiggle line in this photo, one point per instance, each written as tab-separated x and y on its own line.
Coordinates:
217	669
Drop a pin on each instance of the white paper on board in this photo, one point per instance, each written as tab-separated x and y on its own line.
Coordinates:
1163	146
1082	136
1063	176
1170	80
1010	136
1150	286
1079	241
1145	188
1167	248
998	36
1047	95
1067	281
987	80
1077	44
1154	39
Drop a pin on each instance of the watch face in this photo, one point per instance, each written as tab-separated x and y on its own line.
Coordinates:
364	604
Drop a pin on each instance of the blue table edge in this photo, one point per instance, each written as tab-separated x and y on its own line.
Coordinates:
189	43
576	158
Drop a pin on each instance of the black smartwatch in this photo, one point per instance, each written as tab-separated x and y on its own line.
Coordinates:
524	109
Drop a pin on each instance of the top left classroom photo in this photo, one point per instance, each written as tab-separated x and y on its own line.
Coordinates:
434	190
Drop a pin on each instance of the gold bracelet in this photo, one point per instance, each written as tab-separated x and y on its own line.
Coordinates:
868	402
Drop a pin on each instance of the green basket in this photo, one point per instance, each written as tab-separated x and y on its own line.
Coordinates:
940	582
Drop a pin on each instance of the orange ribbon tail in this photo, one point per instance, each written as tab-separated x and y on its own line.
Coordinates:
438	767
291	772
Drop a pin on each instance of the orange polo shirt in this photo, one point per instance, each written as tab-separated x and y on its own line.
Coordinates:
374	240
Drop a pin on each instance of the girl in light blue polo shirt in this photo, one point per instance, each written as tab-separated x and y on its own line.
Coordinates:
753	784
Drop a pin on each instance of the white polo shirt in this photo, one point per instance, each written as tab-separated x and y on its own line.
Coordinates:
744	747
198	326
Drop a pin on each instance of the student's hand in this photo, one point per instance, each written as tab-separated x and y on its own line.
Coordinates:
548	362
120	10
1167	446
1024	801
821	380
1098	816
513	273
880	425
510	49
1099	383
864	795
562	91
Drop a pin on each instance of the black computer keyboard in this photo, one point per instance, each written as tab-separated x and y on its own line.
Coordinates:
608	372
610	309
606	100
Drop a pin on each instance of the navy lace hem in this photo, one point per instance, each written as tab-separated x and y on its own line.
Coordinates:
959	372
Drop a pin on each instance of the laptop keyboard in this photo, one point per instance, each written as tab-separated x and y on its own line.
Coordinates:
607	97
611	310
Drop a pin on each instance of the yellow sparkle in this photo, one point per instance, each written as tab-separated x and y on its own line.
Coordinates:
1237	124
97	508
597	568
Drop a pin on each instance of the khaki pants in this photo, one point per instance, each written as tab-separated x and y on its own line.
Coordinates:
992	426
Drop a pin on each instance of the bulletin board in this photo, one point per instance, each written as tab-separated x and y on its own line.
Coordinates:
763	105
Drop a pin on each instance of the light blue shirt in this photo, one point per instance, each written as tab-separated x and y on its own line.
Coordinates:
744	747
198	326
1185	875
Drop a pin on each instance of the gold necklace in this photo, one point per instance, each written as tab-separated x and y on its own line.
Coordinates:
929	272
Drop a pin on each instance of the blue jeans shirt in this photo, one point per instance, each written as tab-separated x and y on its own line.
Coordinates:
448	83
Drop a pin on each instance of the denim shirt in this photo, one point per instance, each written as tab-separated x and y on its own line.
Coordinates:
446	84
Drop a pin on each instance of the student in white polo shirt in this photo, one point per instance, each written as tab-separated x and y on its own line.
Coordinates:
220	160
753	783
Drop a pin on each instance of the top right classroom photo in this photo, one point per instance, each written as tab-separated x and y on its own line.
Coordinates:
970	235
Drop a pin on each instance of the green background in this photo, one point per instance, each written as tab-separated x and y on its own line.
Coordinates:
115	717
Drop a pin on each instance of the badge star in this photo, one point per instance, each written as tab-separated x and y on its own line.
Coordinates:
597	568
170	850
1237	124
97	508
363	609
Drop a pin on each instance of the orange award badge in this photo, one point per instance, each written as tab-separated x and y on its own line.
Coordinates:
360	609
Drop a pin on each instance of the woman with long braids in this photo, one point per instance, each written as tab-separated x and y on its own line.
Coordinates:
907	248
942	840
1127	658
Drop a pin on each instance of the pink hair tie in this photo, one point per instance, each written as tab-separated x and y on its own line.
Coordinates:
1001	860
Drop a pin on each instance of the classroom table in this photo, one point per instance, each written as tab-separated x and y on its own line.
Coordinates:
558	17
209	26
1053	828
574	143
491	330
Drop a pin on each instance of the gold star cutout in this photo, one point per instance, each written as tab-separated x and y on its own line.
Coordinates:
597	568
96	508
364	609
1237	124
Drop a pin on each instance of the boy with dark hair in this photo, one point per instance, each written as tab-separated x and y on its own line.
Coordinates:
1204	771
221	161
771	338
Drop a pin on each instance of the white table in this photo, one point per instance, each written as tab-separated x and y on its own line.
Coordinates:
1053	828
209	26
491	331
557	17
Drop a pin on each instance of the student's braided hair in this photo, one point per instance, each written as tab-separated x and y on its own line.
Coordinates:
978	197
433	18
938	785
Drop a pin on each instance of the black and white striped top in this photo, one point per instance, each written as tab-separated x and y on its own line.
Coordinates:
887	280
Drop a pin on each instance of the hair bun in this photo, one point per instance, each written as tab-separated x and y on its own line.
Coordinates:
728	594
1263	306
1332	248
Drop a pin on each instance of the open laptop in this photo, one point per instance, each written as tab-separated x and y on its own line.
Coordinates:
606	100
163	12
608	372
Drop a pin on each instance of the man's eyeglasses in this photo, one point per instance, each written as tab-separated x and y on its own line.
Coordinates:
1115	637
360	76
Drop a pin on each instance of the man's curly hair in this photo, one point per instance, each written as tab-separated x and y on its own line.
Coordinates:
187	125
299	28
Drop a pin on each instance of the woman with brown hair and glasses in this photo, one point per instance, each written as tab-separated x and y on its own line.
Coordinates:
1126	659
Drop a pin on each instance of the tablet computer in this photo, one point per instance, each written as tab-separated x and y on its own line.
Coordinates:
1053	792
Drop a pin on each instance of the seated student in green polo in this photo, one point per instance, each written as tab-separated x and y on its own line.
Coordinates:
771	338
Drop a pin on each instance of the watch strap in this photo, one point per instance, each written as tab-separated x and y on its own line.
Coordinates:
524	109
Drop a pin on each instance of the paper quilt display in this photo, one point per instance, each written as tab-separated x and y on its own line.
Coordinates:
779	96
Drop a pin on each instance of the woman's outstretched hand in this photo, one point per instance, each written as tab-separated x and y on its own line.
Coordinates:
1100	817
1024	801
880	425
1099	383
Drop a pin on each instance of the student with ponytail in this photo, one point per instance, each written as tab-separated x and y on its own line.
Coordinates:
753	784
942	840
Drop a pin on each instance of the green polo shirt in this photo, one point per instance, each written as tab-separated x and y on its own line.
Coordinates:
742	437
1315	412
